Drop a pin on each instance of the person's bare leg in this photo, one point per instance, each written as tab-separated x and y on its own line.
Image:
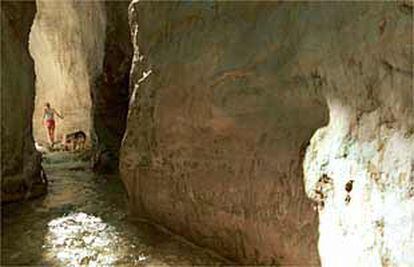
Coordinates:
51	137
52	134
48	135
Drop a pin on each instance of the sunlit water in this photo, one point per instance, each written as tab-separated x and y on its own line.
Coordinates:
79	238
83	222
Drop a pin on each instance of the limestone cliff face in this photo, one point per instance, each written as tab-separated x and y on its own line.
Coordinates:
67	44
368	84
110	95
217	131
82	65
20	163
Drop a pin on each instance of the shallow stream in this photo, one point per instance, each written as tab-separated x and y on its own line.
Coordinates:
83	221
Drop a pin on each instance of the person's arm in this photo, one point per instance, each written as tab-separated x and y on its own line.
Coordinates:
57	113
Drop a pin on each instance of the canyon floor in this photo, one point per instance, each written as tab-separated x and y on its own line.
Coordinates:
83	220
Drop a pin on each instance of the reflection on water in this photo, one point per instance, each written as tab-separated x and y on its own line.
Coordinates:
79	238
83	222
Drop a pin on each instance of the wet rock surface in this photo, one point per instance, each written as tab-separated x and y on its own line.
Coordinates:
83	221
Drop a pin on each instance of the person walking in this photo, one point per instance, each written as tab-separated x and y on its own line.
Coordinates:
49	122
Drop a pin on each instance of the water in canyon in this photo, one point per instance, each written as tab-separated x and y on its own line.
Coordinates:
83	221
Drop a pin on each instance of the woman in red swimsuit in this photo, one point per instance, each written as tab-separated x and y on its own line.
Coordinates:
49	121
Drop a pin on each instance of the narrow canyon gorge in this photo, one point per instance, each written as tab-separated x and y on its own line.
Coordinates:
217	132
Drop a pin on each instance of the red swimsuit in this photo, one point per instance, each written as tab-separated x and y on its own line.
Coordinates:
50	123
49	118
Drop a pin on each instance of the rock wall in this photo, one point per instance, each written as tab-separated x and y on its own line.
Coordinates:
110	95
368	84
226	96
67	44
20	163
218	125
83	64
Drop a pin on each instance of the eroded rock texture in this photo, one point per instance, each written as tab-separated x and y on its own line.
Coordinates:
216	132
20	163
110	95
67	44
368	84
